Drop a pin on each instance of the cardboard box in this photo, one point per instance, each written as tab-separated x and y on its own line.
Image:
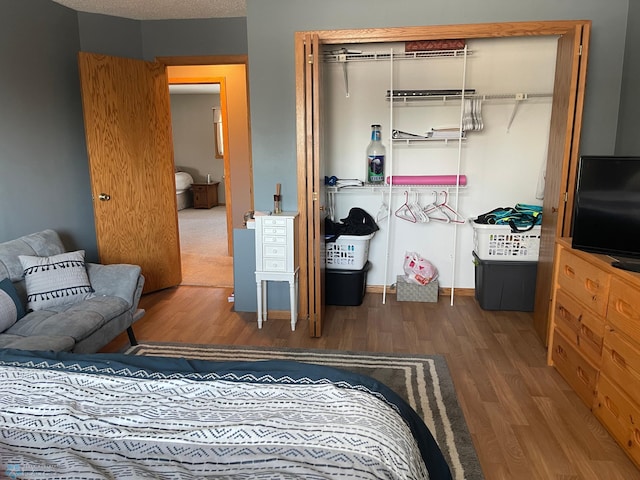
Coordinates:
412	292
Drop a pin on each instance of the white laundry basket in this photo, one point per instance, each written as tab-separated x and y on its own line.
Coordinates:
348	252
498	242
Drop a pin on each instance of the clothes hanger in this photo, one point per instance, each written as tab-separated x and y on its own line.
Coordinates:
417	209
383	211
431	209
405	212
454	216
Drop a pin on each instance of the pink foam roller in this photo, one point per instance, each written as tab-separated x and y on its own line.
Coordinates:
428	180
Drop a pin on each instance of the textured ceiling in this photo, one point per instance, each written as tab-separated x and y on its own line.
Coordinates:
160	9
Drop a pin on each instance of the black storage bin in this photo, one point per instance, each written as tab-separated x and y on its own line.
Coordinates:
505	285
345	287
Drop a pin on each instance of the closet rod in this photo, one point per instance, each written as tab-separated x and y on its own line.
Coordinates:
444	98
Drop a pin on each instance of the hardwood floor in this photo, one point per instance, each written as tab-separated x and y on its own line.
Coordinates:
525	421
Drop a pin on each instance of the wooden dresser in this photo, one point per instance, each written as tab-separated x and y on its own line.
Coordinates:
594	339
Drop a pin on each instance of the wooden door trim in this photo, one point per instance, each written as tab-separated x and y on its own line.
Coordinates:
565	231
204	60
303	191
218	60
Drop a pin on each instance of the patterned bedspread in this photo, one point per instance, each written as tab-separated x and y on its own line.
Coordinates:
117	416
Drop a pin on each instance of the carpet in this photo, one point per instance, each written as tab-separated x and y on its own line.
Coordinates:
422	380
204	248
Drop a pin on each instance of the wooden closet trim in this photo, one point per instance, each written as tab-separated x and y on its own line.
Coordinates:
442	32
402	34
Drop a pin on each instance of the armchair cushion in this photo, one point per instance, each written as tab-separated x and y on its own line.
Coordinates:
56	280
11	309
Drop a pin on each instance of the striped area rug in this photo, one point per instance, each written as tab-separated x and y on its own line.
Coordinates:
422	380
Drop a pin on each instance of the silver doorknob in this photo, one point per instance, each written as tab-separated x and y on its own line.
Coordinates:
104	197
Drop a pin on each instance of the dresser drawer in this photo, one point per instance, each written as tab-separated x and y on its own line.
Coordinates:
274	239
621	362
274	251
586	282
584	328
620	415
623	311
274	265
275	231
574	368
274	221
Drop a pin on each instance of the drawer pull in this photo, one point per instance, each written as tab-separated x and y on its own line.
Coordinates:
567	315
586	332
611	406
569	272
592	286
560	351
582	376
619	359
624	309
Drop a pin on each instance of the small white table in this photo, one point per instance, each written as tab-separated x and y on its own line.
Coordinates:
262	278
277	260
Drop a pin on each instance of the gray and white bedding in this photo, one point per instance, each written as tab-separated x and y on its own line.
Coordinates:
115	416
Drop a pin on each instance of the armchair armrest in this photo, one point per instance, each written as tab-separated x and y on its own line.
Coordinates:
120	280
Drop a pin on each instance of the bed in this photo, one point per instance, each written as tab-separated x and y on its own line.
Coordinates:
68	415
184	195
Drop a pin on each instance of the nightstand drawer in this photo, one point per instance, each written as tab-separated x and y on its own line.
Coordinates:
274	239
274	221
624	308
586	282
275	251
274	231
274	265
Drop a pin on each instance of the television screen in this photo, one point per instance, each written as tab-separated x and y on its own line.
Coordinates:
606	216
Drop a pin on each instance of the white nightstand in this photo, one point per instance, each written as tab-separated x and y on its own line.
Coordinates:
277	259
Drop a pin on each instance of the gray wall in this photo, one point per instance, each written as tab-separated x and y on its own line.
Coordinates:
194	138
44	176
271	26
628	140
216	36
115	36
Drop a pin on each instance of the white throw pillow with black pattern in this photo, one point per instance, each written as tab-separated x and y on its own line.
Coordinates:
56	280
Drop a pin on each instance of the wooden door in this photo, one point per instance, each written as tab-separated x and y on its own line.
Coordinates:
562	159
130	150
312	196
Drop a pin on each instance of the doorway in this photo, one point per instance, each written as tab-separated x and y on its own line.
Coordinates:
236	178
198	141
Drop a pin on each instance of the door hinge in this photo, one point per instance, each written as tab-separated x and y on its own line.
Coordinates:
314	196
566	197
580	50
310	58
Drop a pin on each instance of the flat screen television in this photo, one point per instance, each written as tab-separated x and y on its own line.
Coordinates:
606	215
